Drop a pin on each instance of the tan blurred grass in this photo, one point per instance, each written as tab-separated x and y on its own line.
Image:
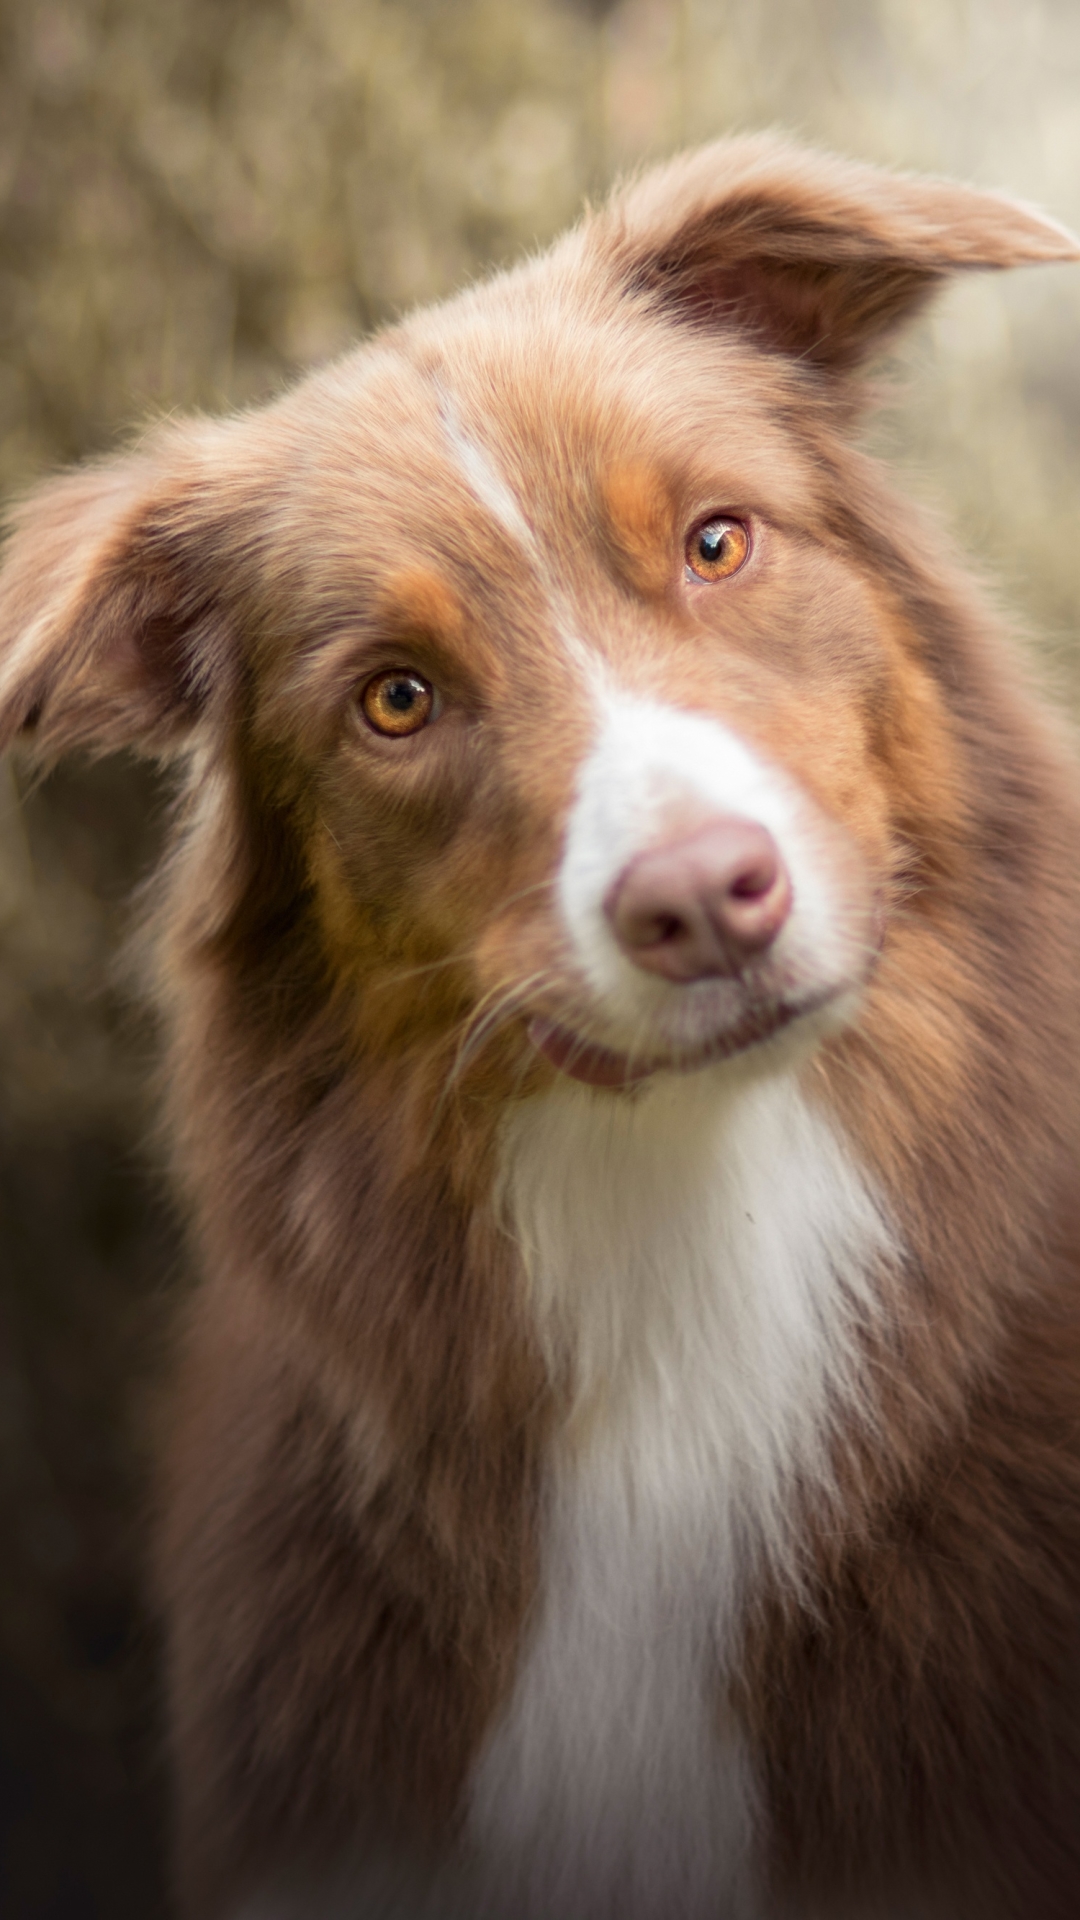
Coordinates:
195	201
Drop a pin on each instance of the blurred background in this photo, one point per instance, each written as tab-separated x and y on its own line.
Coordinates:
196	200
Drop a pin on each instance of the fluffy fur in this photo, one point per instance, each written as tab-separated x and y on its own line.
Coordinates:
626	1499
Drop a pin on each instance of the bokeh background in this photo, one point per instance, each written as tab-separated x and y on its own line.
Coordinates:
198	198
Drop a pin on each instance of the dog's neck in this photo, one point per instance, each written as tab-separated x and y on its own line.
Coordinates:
696	1260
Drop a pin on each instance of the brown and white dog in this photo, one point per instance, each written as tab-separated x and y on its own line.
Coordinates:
619	960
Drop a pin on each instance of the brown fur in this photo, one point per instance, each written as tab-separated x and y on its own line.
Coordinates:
350	938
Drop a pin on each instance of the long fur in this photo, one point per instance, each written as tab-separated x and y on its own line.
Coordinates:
602	1501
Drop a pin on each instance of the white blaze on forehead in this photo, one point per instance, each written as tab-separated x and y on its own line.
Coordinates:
657	770
494	492
486	482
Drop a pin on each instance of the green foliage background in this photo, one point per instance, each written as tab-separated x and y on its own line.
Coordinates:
195	201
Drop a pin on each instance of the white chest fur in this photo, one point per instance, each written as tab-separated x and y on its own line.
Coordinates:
697	1258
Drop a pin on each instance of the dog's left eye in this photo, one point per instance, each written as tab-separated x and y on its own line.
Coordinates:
398	702
718	548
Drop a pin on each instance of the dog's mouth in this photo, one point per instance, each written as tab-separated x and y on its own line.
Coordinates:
599	1066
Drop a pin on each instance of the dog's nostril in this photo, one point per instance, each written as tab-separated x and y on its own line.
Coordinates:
704	906
668	927
751	885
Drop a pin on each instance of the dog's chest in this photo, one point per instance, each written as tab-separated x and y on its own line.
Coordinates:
695	1260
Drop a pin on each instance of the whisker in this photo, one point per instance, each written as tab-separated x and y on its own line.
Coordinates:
462	954
415	973
498	1006
487	1018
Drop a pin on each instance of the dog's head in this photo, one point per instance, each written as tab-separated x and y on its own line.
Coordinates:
559	648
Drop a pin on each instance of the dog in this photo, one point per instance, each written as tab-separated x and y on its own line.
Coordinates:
617	960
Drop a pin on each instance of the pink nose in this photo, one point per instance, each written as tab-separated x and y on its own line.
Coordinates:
702	907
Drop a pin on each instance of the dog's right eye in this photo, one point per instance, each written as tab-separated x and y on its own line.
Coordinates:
718	548
398	702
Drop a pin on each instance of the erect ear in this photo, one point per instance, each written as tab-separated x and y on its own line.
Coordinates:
821	257
112	630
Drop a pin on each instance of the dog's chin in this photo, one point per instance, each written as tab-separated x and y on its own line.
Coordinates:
600	1066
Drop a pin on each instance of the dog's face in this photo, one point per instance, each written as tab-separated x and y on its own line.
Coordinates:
596	708
552	625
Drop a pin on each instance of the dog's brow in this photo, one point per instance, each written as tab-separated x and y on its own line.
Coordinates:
484	477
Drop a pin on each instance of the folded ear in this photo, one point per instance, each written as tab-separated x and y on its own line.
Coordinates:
111	632
821	257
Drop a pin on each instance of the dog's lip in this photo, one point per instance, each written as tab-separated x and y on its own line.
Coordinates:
582	1059
599	1066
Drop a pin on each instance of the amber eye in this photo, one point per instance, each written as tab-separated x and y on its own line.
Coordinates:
718	548
398	701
